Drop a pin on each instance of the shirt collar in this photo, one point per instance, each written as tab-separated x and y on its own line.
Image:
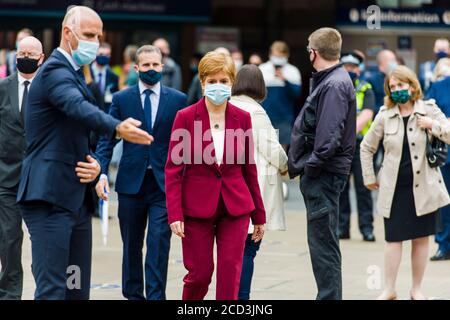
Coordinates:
96	69
156	88
69	58
22	79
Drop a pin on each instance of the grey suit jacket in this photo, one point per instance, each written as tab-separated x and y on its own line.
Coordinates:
12	133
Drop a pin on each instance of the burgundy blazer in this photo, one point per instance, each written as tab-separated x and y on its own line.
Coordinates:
194	181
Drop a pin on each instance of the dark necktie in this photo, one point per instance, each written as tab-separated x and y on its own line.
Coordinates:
148	110
101	87
24	98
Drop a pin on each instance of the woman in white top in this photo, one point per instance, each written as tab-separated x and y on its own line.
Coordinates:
271	162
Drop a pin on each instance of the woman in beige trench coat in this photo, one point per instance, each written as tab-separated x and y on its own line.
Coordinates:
271	162
410	191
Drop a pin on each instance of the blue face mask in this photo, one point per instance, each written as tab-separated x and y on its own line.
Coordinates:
102	60
392	65
441	54
150	77
362	67
353	75
217	93
86	51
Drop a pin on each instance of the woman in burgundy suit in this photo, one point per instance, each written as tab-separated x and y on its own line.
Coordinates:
211	183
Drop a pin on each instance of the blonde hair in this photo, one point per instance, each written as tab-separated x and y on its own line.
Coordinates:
327	42
280	46
214	62
405	75
442	69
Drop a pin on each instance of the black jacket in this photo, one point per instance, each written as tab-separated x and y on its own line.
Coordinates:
12	133
324	133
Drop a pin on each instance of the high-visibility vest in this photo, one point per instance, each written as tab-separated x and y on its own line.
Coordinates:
360	91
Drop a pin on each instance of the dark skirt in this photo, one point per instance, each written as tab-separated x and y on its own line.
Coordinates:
404	224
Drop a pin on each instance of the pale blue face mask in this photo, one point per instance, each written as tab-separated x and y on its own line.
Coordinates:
86	51
217	93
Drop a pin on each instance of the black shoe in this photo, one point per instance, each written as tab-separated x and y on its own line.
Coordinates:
440	255
369	237
344	235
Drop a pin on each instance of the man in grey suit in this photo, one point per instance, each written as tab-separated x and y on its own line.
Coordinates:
13	96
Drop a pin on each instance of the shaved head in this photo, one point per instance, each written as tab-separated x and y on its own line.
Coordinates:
30	44
80	23
384	55
163	45
77	14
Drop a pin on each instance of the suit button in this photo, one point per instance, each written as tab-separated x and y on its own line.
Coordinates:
413	144
416	157
440	181
417	185
418	172
410	129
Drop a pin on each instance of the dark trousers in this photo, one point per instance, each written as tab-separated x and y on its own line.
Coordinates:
61	248
11	236
147	207
363	199
443	237
250	250
321	197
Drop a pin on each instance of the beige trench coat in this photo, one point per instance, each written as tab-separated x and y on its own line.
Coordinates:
270	161
429	189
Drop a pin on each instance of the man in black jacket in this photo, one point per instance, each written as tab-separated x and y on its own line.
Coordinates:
322	148
13	95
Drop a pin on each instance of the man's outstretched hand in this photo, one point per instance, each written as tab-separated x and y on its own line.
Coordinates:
129	131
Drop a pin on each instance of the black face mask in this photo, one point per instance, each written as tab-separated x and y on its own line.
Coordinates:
27	65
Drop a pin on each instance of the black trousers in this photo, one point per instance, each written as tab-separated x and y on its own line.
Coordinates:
321	197
11	237
363	199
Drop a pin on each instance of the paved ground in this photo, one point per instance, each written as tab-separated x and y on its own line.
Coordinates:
283	268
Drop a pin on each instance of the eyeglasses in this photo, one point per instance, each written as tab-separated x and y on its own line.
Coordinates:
28	55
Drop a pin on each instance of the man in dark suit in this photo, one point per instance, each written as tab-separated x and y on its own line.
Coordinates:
106	81
13	95
59	116
140	179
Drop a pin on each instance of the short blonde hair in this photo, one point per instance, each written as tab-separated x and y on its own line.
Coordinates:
327	42
280	46
406	75
214	62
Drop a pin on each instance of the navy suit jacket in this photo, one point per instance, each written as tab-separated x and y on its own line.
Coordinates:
59	117
136	158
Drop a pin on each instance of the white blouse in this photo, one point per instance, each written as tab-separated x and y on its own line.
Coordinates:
218	139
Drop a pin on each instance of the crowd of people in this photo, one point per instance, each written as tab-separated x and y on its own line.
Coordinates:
207	165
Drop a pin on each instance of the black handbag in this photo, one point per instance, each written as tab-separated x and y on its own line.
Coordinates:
436	151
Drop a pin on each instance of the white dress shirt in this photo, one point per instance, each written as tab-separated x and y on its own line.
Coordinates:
219	141
154	98
22	88
69	58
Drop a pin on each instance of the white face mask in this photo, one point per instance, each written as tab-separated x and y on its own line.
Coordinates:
278	61
238	64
